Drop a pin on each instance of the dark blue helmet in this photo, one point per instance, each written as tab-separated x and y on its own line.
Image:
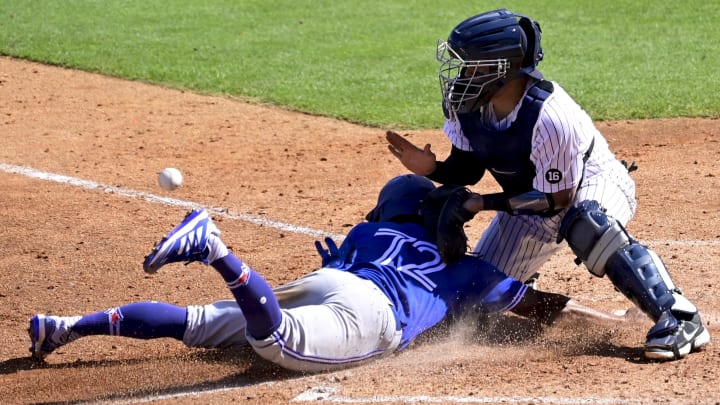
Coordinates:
483	53
400	197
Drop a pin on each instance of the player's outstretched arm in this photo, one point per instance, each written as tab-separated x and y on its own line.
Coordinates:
547	308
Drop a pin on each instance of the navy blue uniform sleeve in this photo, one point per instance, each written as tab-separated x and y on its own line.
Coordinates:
461	167
478	285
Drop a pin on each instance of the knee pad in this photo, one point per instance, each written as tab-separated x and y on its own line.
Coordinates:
592	235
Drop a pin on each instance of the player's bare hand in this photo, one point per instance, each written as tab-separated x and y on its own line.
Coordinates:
418	161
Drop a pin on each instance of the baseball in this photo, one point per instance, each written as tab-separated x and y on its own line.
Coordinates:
170	178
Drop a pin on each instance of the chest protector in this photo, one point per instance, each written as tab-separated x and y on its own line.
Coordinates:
506	153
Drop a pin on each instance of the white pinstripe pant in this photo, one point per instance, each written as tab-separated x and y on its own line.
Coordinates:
519	245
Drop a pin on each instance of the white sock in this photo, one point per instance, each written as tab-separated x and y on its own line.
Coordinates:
218	250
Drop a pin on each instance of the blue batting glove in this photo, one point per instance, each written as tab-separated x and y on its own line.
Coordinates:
330	256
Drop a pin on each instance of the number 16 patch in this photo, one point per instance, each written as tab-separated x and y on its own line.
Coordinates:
553	176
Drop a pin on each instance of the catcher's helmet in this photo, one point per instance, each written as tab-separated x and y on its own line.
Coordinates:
400	197
483	53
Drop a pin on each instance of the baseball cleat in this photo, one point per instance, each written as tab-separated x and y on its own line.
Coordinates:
672	338
47	333
188	242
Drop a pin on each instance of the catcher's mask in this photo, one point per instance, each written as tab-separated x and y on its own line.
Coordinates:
400	197
483	53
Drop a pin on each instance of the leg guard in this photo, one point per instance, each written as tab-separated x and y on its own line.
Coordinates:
640	275
605	247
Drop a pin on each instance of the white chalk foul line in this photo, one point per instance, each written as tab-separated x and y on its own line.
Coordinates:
329	394
223	212
153	198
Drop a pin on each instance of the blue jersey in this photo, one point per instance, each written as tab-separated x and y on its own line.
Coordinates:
401	260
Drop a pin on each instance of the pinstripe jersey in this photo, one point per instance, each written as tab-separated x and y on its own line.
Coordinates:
559	140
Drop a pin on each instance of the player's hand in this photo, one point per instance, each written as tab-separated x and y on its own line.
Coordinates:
418	161
330	256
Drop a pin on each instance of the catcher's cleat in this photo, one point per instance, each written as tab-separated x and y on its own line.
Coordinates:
188	242
47	333
673	338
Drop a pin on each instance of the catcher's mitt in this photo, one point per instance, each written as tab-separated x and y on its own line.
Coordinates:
443	212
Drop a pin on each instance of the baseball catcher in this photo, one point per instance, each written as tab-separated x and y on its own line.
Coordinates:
560	181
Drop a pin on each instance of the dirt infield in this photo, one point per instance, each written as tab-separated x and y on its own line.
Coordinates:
79	159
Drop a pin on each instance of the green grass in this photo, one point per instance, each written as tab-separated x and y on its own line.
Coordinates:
373	61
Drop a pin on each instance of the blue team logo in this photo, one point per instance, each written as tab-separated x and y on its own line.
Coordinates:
553	176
